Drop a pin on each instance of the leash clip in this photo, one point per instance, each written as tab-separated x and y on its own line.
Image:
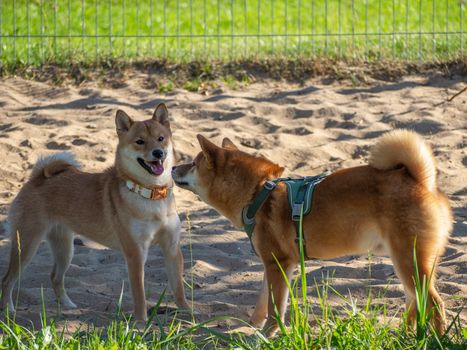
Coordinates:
270	185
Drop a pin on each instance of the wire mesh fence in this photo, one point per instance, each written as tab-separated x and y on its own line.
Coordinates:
38	31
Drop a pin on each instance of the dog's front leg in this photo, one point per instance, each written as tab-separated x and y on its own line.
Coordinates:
261	308
170	244
278	293
135	257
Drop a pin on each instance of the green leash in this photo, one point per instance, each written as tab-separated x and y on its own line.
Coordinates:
300	197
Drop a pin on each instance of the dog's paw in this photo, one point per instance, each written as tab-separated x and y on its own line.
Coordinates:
66	303
9	308
257	321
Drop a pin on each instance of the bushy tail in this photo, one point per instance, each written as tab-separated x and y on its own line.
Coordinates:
404	147
53	164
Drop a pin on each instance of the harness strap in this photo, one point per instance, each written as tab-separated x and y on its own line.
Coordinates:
297	205
249	212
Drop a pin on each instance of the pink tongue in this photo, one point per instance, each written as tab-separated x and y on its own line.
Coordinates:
157	168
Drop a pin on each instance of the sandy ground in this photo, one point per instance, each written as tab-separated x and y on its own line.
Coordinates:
308	129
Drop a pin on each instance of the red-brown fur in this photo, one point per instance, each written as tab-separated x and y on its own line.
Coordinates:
382	207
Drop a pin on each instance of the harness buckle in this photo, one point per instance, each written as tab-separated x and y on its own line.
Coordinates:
297	211
245	218
270	185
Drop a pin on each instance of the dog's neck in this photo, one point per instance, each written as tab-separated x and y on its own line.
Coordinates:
148	191
233	208
154	193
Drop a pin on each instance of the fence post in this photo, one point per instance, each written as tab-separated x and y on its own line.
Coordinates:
110	28
14	31
245	38
97	31
379	29
165	29
461	8
29	33
366	29
326	27
313	27
272	26
191	29
353	28
69	29
259	27
82	27
231	29
299	27
433	53
218	29
150	28
407	29
420	30
178	28
123	29
339	21
137	28
1	34
286	26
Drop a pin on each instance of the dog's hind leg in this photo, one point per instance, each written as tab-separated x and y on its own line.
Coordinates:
261	308
402	257
25	239
60	239
278	293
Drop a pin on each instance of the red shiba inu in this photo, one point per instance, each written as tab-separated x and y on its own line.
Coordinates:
128	207
383	207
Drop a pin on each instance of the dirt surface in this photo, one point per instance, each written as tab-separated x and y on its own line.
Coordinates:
307	128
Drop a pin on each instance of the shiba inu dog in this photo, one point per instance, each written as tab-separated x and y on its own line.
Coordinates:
128	207
390	206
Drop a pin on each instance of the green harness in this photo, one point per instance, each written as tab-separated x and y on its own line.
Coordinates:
300	196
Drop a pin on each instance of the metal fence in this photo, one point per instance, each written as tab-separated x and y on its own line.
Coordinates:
38	31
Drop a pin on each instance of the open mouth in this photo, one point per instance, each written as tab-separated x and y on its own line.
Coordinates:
154	167
181	183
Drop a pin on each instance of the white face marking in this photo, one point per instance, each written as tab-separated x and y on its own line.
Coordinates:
128	158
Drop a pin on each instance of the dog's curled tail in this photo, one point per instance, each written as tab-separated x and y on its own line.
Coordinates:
407	148
53	164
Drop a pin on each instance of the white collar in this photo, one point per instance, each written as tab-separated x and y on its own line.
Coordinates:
155	193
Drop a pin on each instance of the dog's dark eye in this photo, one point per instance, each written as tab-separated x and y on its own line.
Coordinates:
161	138
140	142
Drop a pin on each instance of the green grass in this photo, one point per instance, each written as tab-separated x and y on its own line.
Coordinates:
185	30
348	327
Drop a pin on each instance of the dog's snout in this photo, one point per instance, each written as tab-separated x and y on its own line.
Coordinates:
158	154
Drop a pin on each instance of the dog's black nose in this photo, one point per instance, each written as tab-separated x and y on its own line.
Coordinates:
173	168
158	153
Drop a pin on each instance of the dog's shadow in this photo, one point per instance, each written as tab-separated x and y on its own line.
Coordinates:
222	276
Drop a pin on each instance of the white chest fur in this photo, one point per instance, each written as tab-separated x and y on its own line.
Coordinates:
144	231
150	218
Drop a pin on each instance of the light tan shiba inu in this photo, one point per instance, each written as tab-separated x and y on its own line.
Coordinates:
128	207
382	207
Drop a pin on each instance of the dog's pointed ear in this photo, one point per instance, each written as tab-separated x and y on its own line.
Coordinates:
123	122
161	115
227	143
209	149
